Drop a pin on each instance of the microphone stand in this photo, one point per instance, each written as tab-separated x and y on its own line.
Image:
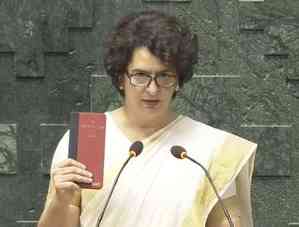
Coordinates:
113	187
226	213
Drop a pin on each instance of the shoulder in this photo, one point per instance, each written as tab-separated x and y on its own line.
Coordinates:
206	138
201	130
209	131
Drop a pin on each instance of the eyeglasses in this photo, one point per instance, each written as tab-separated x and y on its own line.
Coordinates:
144	79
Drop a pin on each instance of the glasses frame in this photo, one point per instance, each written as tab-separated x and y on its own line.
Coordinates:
152	77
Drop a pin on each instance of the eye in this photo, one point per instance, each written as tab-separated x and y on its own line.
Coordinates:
140	78
140	74
166	77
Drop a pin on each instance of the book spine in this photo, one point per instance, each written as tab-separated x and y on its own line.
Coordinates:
73	139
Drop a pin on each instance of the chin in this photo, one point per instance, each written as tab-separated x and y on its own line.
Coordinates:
154	112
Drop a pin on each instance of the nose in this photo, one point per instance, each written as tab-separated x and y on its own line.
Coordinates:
152	88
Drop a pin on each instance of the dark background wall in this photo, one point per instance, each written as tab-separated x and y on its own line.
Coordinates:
246	82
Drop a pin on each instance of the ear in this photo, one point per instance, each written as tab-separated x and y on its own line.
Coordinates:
121	82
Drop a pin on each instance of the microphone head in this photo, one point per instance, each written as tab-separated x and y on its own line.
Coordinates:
136	148
178	152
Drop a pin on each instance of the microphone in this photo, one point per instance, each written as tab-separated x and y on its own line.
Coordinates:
135	150
180	153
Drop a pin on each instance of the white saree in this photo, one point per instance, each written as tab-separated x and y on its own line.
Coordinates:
158	190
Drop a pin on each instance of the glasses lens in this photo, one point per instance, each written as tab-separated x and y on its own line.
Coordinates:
166	80
140	79
143	79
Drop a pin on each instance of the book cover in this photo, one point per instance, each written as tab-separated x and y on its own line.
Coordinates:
87	143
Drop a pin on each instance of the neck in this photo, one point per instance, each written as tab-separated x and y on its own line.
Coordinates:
133	120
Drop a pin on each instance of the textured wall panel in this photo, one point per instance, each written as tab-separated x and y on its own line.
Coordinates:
293	86
274	148
271	207
84	52
293	224
251	0
269	35
23	36
68	14
205	22
67	88
29	206
7	88
26	223
81	14
8	202
29	161
103	95
31	99
223	109
293	196
167	0
54	26
274	10
29	62
203	99
227	37
6	29
50	135
23	198
8	149
266	108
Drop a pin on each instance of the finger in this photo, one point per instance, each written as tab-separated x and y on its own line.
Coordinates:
70	162
73	170
72	178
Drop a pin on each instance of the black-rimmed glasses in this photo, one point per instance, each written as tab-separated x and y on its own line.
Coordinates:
144	79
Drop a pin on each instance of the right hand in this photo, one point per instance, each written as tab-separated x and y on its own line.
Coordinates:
66	174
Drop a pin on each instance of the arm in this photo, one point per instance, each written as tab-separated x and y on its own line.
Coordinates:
217	218
62	207
59	214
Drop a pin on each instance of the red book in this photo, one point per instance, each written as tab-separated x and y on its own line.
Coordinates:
87	143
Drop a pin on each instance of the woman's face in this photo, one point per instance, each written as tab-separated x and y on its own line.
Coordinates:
149	101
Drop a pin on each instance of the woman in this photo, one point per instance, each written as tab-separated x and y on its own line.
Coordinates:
149	57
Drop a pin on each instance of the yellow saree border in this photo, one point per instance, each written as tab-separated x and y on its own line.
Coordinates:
229	159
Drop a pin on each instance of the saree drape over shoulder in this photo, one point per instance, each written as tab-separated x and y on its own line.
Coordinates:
158	190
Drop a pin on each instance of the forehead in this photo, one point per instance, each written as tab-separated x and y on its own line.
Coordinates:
143	59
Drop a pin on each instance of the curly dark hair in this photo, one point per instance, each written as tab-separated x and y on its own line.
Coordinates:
164	35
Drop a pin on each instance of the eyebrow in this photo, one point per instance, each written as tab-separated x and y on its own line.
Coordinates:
144	71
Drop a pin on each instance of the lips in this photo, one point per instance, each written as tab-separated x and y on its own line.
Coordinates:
150	102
